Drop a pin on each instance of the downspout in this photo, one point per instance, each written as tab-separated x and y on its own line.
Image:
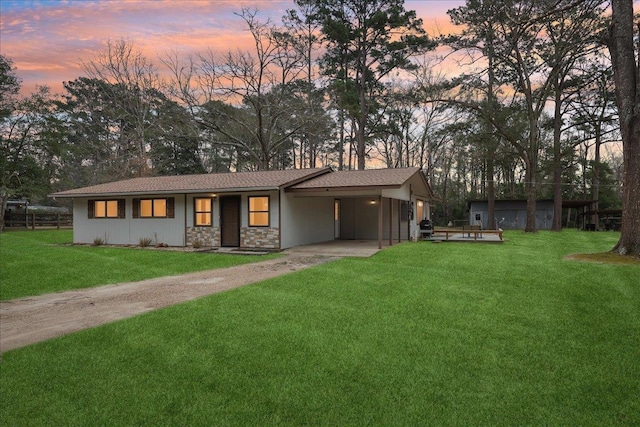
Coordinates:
409	214
280	194
380	221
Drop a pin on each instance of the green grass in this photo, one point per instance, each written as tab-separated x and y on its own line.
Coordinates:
39	262
419	334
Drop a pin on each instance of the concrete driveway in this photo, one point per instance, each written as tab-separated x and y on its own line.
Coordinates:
28	320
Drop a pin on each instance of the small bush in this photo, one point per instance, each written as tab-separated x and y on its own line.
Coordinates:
197	244
145	241
98	241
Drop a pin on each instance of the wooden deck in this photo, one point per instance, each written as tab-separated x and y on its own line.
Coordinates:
460	235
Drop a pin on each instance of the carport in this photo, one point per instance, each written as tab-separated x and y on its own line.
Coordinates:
376	204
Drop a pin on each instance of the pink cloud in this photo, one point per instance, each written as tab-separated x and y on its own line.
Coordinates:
48	40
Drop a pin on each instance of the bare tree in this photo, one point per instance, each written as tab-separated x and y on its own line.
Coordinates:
254	83
134	84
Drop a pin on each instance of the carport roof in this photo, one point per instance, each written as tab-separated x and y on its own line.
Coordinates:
391	178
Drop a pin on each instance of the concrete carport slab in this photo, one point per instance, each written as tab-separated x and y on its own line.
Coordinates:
340	248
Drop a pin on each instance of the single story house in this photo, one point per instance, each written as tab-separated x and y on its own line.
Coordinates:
264	209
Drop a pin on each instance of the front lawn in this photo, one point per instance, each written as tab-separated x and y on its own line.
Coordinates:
419	334
44	261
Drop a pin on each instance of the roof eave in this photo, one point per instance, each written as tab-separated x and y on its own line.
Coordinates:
350	188
163	192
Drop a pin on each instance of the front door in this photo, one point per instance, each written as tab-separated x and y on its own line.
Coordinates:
230	221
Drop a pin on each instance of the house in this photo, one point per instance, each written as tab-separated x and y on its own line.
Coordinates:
264	209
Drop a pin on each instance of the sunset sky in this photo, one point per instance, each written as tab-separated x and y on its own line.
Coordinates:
48	39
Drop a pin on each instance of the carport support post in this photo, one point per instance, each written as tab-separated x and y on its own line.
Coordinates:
400	221
380	222
390	222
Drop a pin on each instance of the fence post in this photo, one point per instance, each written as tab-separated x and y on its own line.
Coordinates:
58	221
33	221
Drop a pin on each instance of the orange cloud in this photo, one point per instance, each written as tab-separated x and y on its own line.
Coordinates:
47	41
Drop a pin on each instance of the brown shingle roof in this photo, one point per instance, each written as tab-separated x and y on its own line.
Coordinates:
260	180
355	179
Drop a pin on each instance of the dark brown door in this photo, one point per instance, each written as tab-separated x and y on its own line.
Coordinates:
230	221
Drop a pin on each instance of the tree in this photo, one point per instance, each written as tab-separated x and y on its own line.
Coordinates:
480	35
175	147
366	40
133	87
29	148
566	44
595	114
249	81
626	74
29	144
302	34
529	59
9	88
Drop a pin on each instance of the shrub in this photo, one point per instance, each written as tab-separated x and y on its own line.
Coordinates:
98	241
145	241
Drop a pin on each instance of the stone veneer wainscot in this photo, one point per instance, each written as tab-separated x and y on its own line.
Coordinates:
260	237
207	236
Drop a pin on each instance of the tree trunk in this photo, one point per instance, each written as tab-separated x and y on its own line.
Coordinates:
360	135
531	196
3	207
627	80
491	191
595	186
557	161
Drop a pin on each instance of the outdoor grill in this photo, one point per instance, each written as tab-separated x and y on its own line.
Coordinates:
426	229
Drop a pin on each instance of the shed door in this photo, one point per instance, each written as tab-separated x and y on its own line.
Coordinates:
230	221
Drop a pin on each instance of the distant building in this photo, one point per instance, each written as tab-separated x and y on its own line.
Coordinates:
16	206
511	214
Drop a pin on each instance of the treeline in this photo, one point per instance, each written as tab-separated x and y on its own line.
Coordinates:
518	104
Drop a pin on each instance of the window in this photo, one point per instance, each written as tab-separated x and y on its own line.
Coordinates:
153	208
259	211
106	208
420	211
202	209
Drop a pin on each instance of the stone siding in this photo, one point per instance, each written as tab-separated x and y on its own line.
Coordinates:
205	236
259	237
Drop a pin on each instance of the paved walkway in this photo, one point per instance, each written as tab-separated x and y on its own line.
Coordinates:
25	321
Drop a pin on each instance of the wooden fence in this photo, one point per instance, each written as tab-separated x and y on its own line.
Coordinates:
38	220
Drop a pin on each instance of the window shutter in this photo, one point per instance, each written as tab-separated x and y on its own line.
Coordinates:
136	208
171	210
90	210
121	205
